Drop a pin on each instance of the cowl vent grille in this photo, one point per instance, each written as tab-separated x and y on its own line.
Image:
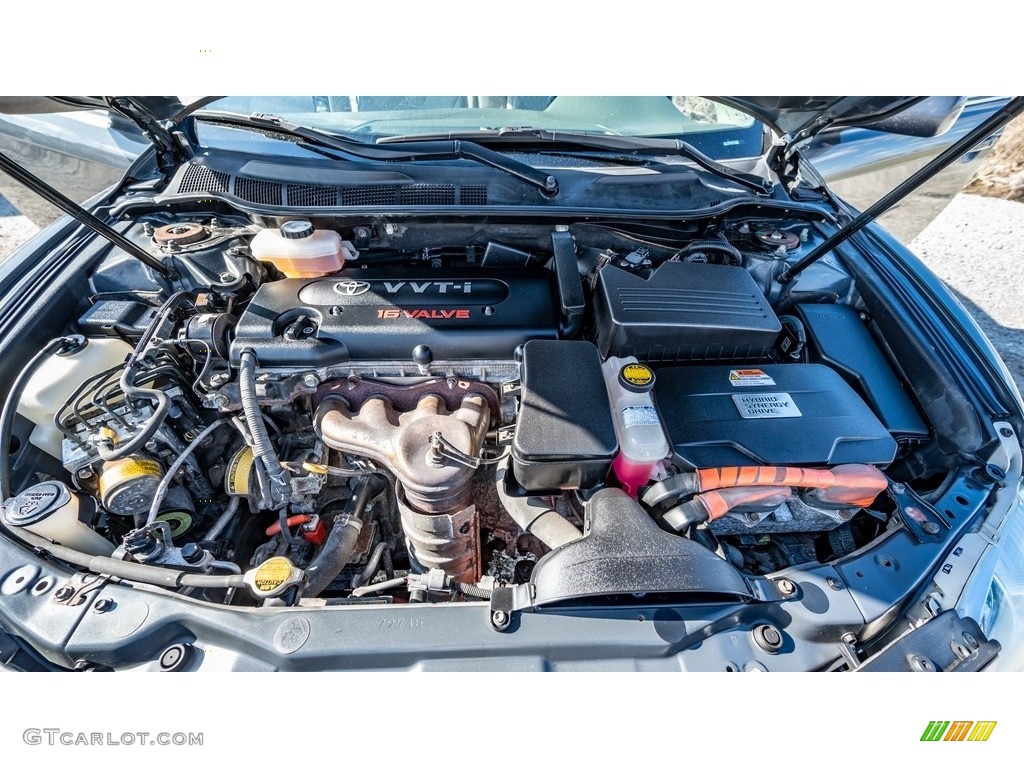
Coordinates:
200	179
258	191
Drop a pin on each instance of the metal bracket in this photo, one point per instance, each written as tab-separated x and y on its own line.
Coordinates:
920	518
76	591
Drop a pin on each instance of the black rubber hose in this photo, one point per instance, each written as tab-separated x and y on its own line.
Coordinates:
671	489
371	568
722	246
168	478
262	447
122	569
334	556
162	406
162	403
337	551
11	407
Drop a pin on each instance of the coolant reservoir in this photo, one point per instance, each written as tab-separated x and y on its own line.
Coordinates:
642	443
299	250
56	378
50	509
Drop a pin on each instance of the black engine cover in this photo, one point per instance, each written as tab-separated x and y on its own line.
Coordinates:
721	416
479	314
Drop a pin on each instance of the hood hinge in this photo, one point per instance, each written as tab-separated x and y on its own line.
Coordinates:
172	146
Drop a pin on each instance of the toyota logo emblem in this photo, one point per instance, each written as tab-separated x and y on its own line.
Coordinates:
352	287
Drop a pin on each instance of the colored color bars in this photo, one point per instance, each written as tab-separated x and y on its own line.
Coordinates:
958	730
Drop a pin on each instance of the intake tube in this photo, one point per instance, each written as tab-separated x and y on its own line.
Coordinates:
533	515
337	550
262	447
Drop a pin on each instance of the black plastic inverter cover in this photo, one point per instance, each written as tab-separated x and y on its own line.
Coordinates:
683	312
798	414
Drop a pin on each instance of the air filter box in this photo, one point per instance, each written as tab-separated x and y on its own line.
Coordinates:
723	416
683	312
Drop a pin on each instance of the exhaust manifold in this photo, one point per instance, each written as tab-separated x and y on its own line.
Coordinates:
431	452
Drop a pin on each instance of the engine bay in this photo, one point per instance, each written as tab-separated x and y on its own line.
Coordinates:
408	413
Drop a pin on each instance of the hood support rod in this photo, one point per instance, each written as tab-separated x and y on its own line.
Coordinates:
73	209
1013	108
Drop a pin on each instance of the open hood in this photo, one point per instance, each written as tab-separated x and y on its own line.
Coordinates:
154	107
803	116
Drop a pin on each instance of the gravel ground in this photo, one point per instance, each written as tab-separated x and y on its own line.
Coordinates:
976	245
14	228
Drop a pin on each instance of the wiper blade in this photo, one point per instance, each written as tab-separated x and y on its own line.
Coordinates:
446	149
595	141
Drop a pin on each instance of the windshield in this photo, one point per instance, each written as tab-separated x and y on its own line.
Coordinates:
717	130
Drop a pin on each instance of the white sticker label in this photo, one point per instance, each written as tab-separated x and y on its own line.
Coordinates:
750	377
772	405
639	416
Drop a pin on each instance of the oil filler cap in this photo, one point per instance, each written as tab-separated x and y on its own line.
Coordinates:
636	377
272	577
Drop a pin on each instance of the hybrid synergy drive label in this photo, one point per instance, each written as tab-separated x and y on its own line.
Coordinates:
958	730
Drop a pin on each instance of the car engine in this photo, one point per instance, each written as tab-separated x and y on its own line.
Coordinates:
429	417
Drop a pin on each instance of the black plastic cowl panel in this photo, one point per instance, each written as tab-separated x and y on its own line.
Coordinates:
624	552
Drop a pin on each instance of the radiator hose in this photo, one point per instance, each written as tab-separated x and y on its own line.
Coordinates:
337	550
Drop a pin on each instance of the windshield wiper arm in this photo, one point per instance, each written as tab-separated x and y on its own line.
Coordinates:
447	149
597	141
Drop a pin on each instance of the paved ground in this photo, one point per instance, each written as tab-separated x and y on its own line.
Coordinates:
976	245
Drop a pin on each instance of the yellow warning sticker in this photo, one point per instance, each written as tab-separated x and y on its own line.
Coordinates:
236	479
272	574
638	375
750	377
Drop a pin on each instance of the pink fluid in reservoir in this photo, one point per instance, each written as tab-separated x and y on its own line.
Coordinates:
631	474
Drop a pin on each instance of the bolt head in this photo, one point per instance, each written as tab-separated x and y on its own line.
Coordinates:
192	552
63	593
786	586
921	664
102	605
930	528
500	618
311	380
